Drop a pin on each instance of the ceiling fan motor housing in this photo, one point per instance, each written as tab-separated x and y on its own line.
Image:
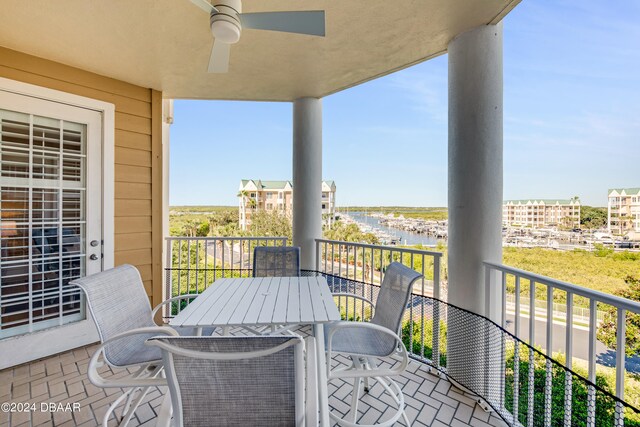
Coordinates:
225	22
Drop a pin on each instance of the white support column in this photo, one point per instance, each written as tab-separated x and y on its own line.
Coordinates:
307	178
167	121
475	191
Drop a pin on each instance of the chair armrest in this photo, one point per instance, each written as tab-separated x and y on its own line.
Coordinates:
361	298
99	381
404	356
170	300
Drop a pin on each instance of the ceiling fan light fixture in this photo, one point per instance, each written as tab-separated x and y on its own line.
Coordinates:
225	31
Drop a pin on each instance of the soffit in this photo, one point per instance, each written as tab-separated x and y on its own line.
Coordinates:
165	44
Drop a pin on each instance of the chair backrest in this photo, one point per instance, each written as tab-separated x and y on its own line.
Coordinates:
276	261
234	381
394	296
118	303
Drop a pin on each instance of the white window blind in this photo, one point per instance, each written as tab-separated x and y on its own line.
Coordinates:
42	221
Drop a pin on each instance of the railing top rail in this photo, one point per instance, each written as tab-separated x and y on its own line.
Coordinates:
613	300
170	238
388	248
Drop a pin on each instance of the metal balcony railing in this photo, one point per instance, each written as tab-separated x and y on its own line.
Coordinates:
510	282
193	263
507	374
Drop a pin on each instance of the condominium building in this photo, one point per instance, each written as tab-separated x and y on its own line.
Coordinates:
255	195
623	210
541	213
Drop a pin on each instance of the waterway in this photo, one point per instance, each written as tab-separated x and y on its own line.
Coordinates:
406	237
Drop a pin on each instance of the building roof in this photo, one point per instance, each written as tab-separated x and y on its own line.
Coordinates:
634	191
543	201
274	185
165	44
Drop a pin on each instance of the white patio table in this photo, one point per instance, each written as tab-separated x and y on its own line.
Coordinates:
268	301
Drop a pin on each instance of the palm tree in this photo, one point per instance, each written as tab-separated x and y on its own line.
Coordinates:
244	194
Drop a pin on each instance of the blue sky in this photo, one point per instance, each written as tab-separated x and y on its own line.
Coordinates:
571	125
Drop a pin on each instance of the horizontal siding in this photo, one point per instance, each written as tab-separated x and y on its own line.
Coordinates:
135	227
125	207
138	141
133	241
133	123
128	190
132	224
137	257
76	76
128	173
133	157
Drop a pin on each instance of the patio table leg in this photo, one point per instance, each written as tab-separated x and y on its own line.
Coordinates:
318	332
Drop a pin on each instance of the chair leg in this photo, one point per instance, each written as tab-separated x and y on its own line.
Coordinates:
355	395
131	405
367	365
127	417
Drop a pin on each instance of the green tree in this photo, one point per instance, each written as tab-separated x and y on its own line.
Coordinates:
349	233
224	223
202	230
270	224
607	331
593	218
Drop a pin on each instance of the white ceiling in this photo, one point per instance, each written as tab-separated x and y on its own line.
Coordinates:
165	44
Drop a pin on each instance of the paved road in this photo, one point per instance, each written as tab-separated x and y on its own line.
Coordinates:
604	355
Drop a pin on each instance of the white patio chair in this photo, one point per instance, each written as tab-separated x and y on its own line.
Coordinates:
239	381
120	308
276	261
367	343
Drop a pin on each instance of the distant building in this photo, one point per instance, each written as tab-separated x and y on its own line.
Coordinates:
541	213
623	210
256	195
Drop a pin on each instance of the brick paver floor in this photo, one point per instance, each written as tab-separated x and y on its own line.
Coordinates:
62	379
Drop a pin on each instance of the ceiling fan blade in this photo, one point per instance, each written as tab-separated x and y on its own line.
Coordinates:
219	59
302	22
204	5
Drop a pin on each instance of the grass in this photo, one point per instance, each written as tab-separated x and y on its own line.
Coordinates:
605	273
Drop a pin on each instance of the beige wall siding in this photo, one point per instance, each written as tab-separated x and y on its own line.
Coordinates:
138	155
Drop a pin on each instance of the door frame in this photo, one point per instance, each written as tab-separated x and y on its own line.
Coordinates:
83	332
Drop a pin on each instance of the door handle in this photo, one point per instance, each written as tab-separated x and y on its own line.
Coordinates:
93	257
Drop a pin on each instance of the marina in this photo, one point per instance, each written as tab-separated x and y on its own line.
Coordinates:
398	230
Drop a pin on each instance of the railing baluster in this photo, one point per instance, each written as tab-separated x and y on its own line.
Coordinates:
381	260
339	260
222	246
179	268
215	259
503	344
516	355
233	265
325	257
591	396
197	263
347	267
371	277
364	264
435	342
532	334
548	383
333	258
422	299
568	384
621	331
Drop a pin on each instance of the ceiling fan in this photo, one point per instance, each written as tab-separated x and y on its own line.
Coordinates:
227	21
